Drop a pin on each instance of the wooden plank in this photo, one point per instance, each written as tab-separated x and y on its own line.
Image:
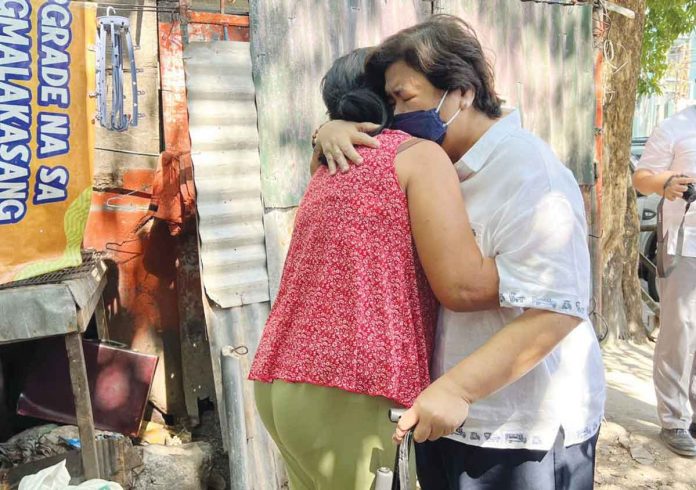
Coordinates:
100	317
196	367
83	405
84	315
173	82
217	19
195	357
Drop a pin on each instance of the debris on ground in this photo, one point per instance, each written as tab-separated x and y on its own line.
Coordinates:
641	454
630	453
41	442
156	433
187	466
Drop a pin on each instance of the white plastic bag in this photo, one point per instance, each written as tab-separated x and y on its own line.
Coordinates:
52	478
56	477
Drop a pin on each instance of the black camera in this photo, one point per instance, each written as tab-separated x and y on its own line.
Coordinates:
689	194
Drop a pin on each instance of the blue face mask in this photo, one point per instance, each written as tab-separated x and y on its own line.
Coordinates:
424	124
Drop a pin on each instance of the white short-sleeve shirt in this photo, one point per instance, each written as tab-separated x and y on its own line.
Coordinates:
672	146
527	211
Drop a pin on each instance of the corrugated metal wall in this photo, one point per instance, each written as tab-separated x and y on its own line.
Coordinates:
224	149
543	57
224	142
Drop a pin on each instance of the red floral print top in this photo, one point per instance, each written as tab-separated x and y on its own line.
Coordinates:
354	310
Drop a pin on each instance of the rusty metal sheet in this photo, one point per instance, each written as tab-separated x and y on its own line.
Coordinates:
141	296
224	139
212	32
543	60
292	47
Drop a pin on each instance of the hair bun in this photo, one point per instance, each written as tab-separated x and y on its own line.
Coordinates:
361	105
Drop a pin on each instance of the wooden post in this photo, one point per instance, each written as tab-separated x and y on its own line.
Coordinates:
100	317
83	405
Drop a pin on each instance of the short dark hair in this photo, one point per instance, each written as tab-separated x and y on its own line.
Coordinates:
446	50
348	96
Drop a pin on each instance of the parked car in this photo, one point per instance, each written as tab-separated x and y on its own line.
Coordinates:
647	213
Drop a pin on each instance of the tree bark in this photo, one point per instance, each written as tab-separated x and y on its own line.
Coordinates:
621	300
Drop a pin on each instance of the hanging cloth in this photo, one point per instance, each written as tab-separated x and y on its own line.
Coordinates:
173	193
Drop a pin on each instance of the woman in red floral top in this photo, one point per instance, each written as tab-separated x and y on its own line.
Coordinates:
351	331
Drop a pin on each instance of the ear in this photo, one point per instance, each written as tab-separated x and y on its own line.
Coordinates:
467	99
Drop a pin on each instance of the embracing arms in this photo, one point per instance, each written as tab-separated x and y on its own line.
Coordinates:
510	354
460	276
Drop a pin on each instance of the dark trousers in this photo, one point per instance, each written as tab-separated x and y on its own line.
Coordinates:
449	465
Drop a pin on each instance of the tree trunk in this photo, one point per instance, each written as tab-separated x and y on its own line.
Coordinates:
621	300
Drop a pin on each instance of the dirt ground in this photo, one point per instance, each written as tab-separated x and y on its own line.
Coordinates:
630	454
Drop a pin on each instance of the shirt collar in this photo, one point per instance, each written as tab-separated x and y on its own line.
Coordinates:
477	156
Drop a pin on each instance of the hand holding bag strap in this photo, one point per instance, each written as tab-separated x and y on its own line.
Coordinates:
660	261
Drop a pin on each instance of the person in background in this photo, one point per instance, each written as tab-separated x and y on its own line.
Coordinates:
526	377
668	167
351	331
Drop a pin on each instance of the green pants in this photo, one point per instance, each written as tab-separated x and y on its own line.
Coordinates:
330	439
